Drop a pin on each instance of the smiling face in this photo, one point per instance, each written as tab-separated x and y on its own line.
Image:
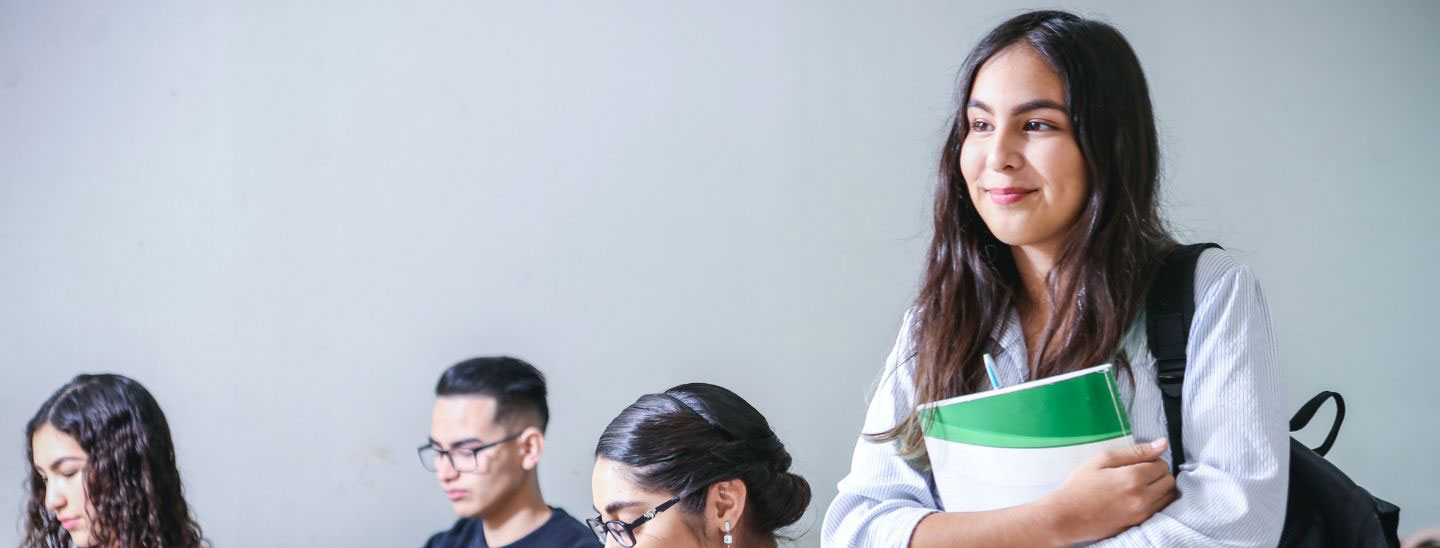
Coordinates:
617	497
61	463
1021	163
463	424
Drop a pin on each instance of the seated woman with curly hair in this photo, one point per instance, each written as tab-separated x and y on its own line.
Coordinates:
104	471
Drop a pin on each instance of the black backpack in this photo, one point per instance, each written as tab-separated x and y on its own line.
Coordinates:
1325	507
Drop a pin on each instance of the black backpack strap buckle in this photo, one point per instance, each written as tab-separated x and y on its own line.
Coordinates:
1172	382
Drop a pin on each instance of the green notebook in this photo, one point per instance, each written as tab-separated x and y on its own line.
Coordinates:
1010	446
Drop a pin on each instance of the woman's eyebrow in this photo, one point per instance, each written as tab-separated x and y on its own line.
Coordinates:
1027	106
56	465
1037	104
619	505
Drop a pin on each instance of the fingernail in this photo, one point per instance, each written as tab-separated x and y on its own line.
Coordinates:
1158	444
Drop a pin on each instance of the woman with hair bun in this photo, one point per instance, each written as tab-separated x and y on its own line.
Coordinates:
695	465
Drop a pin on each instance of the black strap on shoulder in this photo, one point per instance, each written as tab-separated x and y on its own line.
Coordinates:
1168	312
1307	412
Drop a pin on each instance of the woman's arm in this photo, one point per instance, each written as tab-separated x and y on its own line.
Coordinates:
1112	491
885	502
1234	482
883	497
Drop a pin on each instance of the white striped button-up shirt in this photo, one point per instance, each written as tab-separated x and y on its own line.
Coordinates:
1233	482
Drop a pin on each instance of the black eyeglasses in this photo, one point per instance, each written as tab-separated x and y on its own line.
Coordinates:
465	459
624	533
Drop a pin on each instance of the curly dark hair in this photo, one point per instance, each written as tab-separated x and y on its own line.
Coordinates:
130	475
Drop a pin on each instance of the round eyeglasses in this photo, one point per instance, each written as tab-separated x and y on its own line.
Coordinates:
622	532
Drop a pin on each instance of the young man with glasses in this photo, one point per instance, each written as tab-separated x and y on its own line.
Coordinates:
487	433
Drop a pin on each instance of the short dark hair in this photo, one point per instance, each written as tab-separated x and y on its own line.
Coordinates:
518	388
686	438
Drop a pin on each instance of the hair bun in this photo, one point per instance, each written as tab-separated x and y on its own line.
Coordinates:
780	502
694	435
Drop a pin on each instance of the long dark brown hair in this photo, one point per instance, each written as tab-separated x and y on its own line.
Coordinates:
130	475
1099	281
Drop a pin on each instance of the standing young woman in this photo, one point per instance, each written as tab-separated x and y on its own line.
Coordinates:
103	471
1046	239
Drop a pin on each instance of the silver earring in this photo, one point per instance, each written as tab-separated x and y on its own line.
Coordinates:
728	539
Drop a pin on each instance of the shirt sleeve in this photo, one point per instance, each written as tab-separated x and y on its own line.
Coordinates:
1234	481
882	498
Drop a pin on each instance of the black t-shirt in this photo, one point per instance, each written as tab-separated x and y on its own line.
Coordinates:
560	531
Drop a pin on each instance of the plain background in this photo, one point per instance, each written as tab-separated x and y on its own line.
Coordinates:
286	219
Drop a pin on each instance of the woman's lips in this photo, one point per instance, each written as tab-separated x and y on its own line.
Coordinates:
455	494
69	524
1008	195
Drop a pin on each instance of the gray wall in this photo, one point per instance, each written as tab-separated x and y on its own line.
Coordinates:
287	219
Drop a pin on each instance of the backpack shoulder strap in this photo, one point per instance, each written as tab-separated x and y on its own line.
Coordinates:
1168	311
